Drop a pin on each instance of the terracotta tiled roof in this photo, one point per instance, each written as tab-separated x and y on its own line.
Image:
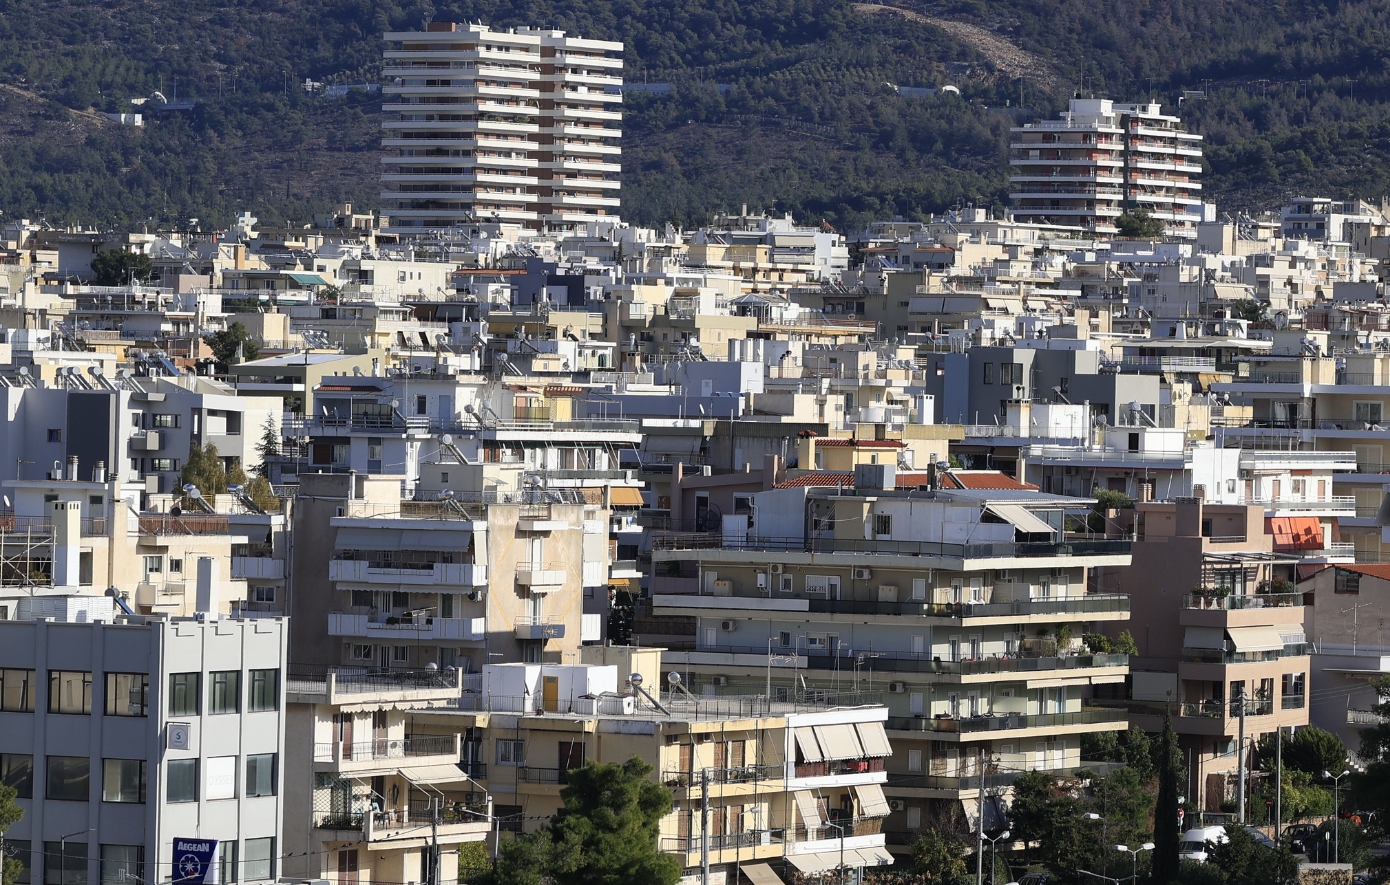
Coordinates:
835	478
983	479
1373	569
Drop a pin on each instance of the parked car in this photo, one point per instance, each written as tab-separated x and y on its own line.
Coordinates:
1260	838
1300	837
1195	841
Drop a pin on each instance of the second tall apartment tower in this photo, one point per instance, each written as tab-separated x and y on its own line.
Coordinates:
518	126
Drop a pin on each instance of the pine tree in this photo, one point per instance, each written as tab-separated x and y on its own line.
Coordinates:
1166	835
10	813
269	446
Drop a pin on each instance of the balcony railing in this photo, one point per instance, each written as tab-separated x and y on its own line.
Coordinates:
1092	604
1236	602
1003	721
338	820
839	766
184	524
721	842
717	541
386	748
1226	709
741	774
1291	702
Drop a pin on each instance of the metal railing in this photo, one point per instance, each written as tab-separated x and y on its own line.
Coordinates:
740	774
184	524
386	748
721	842
314	680
1292	702
1092	604
339	820
1226	709
831	767
1237	601
1003	721
717	541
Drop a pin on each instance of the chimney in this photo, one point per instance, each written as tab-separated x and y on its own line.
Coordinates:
209	602
67	541
1187	517
72	468
99	472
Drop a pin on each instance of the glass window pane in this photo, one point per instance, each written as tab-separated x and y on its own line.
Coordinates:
121	864
184	689
182	780
17	773
21	850
127	694
223	696
17	691
226	863
260	775
65	863
69	691
265	691
123	780
260	860
69	777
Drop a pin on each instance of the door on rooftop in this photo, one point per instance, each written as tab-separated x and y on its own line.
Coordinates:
550	693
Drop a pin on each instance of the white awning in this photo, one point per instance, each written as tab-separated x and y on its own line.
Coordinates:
874	739
350	538
435	775
671	445
871	800
761	874
1204	637
1256	638
839	741
819	863
1021	517
809	807
810	749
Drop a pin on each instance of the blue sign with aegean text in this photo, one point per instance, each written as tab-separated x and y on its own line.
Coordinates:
193	861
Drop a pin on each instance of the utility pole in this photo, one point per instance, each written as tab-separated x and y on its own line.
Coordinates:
704	826
1240	763
1278	780
1355	622
980	825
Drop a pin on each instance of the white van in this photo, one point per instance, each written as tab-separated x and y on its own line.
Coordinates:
1194	842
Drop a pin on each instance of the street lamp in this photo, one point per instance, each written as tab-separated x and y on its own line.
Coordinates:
63	853
1104	828
1336	813
992	867
1134	854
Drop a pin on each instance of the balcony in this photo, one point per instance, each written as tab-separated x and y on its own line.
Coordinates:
1005	722
743	774
1217	656
261	568
348	756
1226	710
539	628
678	541
184	524
391	629
464	574
337	686
540	578
1240	602
835	767
456	823
1093	604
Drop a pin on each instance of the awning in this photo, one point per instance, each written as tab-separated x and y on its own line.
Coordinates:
1022	519
874	739
809	807
1256	638
871	800
308	279
871	857
816	863
761	874
810	748
671	445
1204	637
839	742
369	539
850	857
1295	532
435	775
625	496
424	539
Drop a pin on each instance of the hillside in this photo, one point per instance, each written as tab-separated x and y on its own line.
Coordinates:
785	104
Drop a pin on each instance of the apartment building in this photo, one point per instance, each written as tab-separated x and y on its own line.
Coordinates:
1219	627
123	734
1101	160
1350	646
967	605
791	786
515	126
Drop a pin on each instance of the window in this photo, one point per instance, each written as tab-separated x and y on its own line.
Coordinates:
65	863
263	593
163	465
127	694
69	777
123	780
226	862
224	695
265	691
17	773
55	435
122	864
914	818
22	851
883	524
164	420
1347	582
784	638
181	777
175	566
914	760
1368	413
154	565
421	405
184	689
260	775
220	778
69	691
989	373
400	654
511	753
361	652
362	599
260	859
17	691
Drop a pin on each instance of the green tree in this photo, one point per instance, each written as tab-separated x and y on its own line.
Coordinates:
1302	799
204	468
939	857
1243	861
474	864
1310	750
605	833
1126	804
117	267
262	494
1045	812
1370	788
224	345
1251	310
1106	499
1139	225
269	446
10	814
1168	761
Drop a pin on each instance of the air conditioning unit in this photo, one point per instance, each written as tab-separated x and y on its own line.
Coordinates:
1069	471
477	595
720	681
897	687
897	804
728	626
862	574
776	568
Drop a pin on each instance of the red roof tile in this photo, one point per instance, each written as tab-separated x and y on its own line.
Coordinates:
983	479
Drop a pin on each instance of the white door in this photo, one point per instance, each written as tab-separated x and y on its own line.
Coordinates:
919	646
915	705
711	634
919	589
977	590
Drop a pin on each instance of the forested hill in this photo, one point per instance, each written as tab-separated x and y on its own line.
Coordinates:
779	104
